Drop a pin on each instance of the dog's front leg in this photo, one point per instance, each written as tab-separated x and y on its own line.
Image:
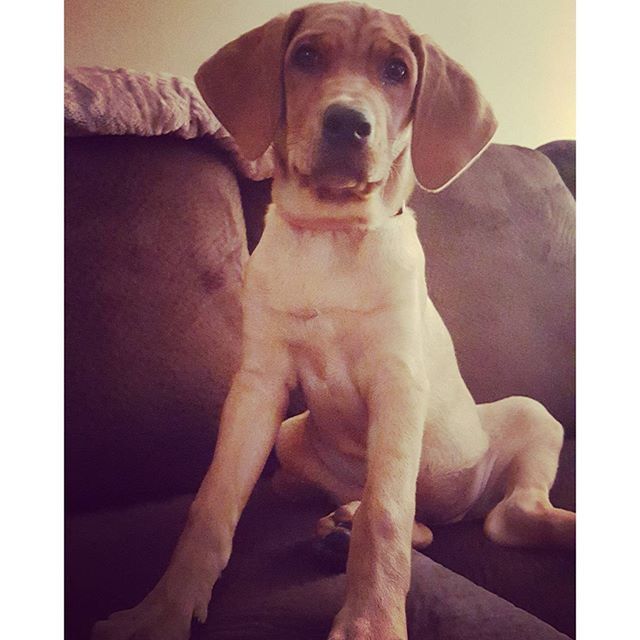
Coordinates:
379	563
251	417
250	421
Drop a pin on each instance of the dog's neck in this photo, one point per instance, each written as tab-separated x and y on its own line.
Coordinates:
303	210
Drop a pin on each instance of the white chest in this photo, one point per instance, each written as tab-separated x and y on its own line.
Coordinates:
305	273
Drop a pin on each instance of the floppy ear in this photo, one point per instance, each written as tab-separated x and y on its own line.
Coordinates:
452	122
242	83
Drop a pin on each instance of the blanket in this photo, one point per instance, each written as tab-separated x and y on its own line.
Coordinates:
101	101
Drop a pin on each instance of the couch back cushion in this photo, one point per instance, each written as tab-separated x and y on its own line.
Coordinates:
154	249
500	261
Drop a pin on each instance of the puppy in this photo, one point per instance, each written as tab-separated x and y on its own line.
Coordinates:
356	107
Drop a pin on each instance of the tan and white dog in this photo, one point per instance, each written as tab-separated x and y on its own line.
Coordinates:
356	106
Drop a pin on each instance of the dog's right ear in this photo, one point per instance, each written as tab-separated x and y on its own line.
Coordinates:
242	83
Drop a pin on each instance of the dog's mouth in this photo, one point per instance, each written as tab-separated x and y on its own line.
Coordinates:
337	186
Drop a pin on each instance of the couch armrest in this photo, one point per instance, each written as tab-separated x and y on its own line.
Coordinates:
154	250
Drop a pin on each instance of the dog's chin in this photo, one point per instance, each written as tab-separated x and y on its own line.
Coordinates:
337	187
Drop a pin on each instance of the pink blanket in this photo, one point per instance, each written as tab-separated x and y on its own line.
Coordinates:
100	101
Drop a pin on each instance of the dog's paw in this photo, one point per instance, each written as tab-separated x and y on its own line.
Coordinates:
143	623
155	618
333	535
348	626
527	519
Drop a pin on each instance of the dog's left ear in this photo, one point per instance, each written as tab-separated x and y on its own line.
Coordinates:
242	83
452	122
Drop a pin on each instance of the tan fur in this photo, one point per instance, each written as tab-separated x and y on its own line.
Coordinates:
335	298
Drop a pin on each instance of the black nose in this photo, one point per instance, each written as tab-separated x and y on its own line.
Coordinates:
344	125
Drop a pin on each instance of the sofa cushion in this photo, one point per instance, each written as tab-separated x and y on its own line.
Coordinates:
563	155
274	587
500	261
154	250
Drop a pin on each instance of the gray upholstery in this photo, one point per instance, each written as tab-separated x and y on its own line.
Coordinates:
563	155
154	248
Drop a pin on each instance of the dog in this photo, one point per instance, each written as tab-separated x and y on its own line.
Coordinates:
357	107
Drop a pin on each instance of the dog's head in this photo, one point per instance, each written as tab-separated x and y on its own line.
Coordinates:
344	92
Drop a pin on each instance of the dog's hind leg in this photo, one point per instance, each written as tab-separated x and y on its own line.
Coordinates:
293	457
301	470
527	440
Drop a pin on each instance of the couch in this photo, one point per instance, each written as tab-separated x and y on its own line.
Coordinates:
158	225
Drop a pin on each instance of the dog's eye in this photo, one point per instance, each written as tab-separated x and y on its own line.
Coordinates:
396	71
307	58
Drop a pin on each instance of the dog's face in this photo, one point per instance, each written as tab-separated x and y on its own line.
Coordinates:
345	93
349	85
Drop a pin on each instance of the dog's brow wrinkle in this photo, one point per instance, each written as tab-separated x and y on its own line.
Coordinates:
330	23
318	37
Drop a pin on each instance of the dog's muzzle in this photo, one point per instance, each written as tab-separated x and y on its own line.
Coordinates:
342	161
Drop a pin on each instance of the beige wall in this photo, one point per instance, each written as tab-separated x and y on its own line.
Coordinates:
522	52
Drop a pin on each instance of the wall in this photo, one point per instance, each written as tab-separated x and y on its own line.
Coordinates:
522	52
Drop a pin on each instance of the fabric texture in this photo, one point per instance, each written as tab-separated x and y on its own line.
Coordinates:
154	251
101	101
563	155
